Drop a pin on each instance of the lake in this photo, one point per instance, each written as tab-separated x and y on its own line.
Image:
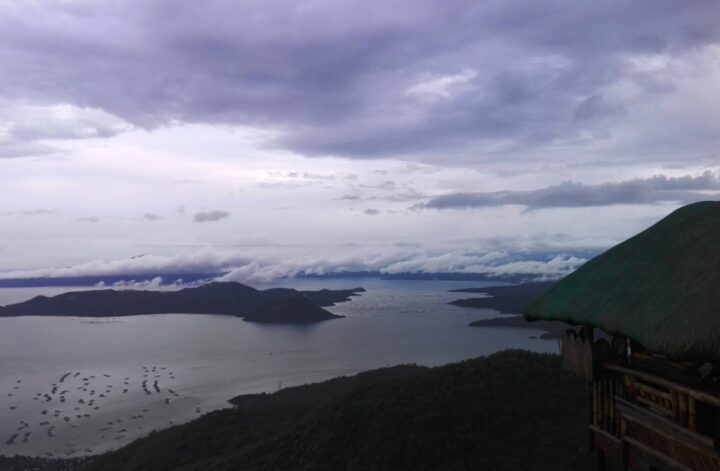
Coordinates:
73	386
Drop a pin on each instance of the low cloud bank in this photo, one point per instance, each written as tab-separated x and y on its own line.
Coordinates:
238	267
686	189
153	283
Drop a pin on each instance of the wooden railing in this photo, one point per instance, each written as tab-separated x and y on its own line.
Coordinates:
646	420
667	398
604	413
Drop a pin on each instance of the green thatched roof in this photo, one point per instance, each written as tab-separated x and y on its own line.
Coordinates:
660	288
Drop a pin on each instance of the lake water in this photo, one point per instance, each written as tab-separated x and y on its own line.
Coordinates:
123	377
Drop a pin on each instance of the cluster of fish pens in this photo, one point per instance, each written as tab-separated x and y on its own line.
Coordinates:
76	397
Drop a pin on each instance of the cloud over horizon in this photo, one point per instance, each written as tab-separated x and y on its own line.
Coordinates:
659	188
236	266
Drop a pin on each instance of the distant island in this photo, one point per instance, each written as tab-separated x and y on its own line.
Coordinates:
504	299
276	305
510	300
552	329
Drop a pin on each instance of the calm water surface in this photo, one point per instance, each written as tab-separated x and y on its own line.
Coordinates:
200	361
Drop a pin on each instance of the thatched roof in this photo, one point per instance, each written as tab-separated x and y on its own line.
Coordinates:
660	287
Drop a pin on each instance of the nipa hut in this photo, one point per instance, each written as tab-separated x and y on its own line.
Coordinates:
652	366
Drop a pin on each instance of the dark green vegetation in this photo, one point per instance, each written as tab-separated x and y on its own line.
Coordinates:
28	463
277	305
504	299
510	411
660	287
552	329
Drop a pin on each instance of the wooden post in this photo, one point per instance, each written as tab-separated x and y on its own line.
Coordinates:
595	406
630	387
593	417
600	403
600	460
606	404
613	429
716	432
591	413
683	403
624	451
692	422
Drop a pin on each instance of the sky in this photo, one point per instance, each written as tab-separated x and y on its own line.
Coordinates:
266	139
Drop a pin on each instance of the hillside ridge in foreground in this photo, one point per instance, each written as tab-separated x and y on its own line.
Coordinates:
513	410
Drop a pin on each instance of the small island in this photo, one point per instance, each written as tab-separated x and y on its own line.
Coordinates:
553	330
276	305
504	299
510	300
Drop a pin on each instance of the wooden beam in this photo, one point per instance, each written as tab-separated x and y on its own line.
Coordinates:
657	455
606	436
694	393
669	429
590	414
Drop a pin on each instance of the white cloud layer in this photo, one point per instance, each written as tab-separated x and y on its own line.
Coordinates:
33	129
237	267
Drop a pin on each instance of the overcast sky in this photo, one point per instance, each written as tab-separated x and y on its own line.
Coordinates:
268	138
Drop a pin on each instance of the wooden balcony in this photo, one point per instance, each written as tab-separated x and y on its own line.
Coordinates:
644	420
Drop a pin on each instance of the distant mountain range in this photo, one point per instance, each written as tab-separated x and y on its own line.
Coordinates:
130	279
277	305
106	280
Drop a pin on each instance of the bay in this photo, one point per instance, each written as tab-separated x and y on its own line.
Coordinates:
200	361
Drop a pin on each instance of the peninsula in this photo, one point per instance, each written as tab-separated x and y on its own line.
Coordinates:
504	299
276	305
510	300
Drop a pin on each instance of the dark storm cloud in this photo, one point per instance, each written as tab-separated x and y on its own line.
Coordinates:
210	216
568	194
396	78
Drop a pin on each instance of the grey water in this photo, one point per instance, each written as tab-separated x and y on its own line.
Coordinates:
200	361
